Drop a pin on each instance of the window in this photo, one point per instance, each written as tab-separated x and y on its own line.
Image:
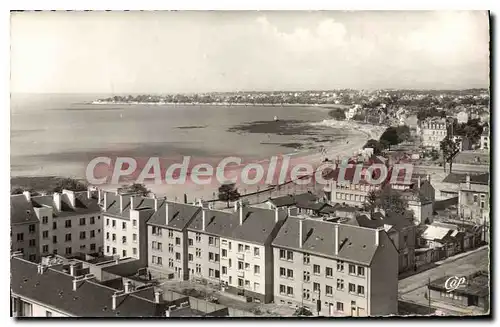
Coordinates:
316	269
289	291
45	234
352	269
153	259
306	294
134	238
92	220
240	265
45	220
198	253
114	250
289	273
92	247
124	239
307	259
67	224
247	266
177	241
230	263
340	284
211	240
159	261
107	235
54	239
217	273
329	272
282	272
124	253
247	248
20	237
32	242
170	248
190	241
82	221
475	198
289	255
340	306
134	251
170	233
256	286
134	223
282	289
107	249
177	256
198	237
113	223
247	283
224	253
256	252
316	287
92	233
361	290
68	250
240	247
45	249
282	254
171	263
217	258
107	221
68	237
352	288
340	265
256	269
83	235
229	246
54	225
307	276
361	271
124	225
198	268
240	282
224	270
211	256
113	237
329	290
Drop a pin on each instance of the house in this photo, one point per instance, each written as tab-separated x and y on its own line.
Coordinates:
449	241
24	227
433	131
400	229
462	117
464	143
451	183
474	201
472	296
335	269
485	139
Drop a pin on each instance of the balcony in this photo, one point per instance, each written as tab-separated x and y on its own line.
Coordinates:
240	256
240	273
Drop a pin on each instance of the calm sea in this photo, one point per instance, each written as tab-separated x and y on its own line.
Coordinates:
59	134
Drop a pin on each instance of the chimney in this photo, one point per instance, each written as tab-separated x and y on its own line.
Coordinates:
167	206
418	182
126	286
105	194
156	204
57	200
276	215
89	193
132	207
377	235
241	212
467	181
185	198
203	219
72	270
99	193
121	203
428	178
167	313
336	238
75	284
158	296
301	233
27	195
114	301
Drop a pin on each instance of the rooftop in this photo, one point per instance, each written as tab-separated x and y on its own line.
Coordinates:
179	215
478	284
456	178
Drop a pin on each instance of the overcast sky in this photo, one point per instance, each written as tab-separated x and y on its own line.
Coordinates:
164	52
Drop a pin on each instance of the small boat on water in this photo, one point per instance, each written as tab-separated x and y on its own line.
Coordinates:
276	118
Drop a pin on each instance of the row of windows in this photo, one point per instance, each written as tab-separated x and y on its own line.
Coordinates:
124	252
124	224
350	197
20	238
245	283
124	238
82	221
355	186
67	237
83	247
353	288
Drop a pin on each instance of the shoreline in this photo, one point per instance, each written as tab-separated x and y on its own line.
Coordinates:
220	104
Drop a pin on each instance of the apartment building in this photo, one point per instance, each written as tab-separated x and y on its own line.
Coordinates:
70	222
247	256
474	201
205	232
125	229
433	131
168	239
485	139
348	193
24	227
41	291
335	269
400	230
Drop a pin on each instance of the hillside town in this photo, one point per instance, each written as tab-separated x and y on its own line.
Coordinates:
342	249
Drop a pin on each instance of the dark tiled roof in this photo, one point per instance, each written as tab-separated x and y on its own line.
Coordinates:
55	289
461	178
258	225
179	215
357	244
83	205
21	210
379	220
290	200
113	204
316	206
219	223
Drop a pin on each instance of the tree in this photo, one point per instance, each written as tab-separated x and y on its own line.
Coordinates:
228	192
389	137
371	203
387	199
16	190
404	133
69	184
375	145
135	188
337	114
450	149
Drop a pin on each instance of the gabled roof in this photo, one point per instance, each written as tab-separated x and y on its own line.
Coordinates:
219	223
21	210
356	244
461	178
395	220
290	200
54	289
113	204
179	215
258	225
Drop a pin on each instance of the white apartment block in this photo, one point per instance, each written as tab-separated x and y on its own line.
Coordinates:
433	131
335	269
